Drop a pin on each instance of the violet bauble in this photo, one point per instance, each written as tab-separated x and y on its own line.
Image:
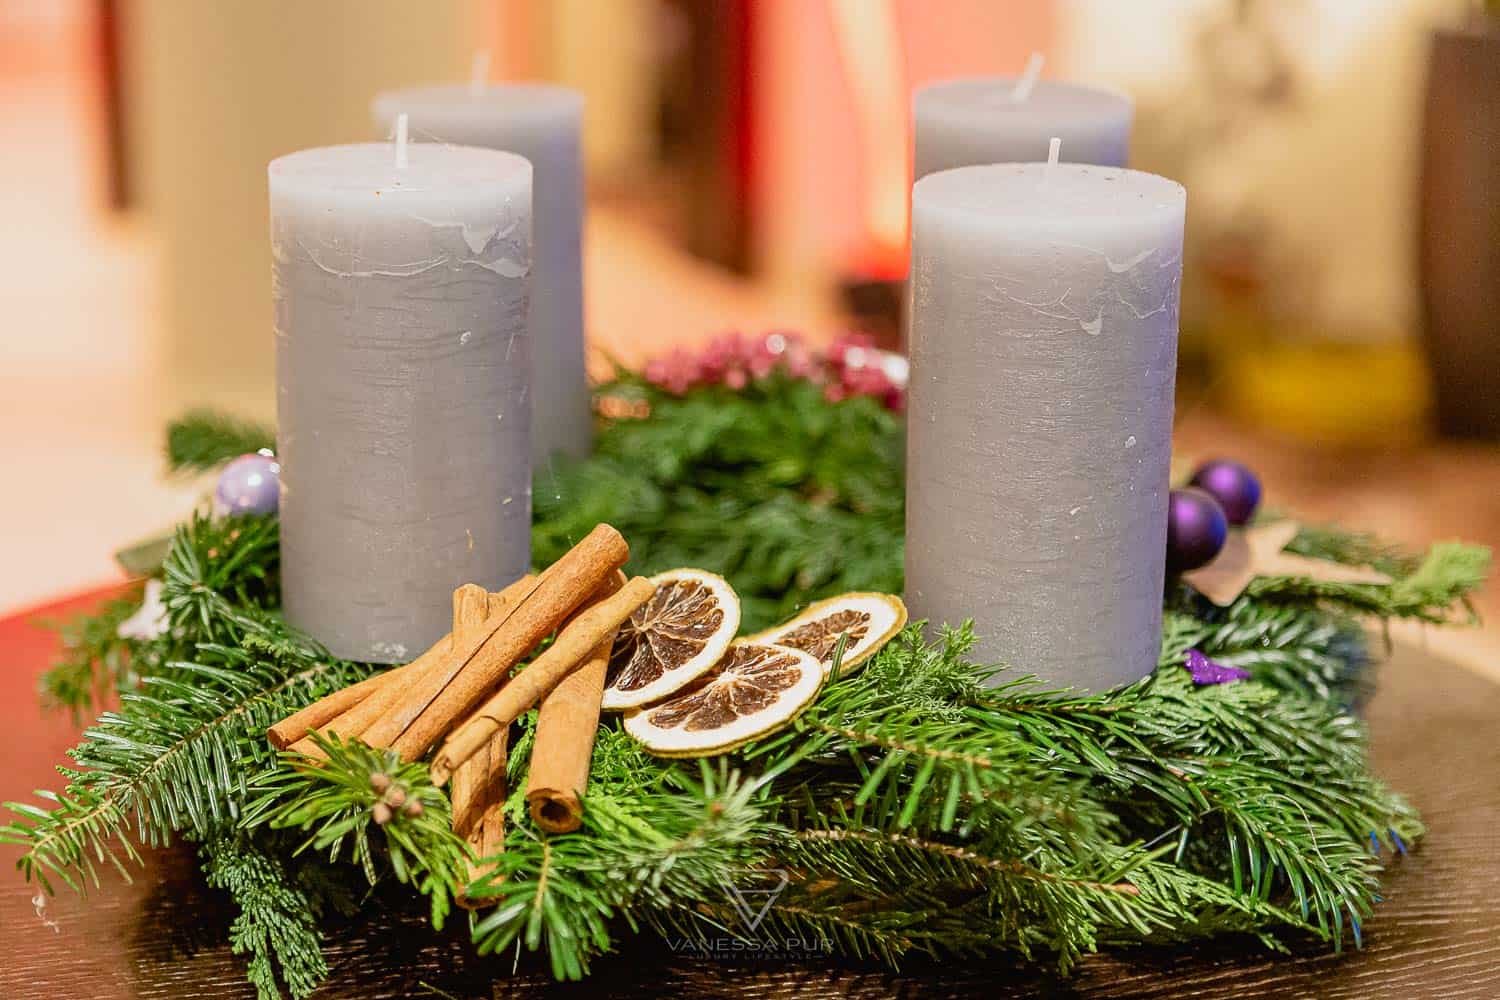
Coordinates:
1235	487
1196	529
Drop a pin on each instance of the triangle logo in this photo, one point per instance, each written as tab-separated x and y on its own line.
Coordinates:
753	903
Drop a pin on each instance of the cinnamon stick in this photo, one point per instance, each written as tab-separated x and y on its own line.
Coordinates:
472	791
486	841
572	646
398	707
566	726
564	586
317	715
357	720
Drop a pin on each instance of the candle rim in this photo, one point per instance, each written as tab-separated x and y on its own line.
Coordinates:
366	165
973	92
522	99
977	195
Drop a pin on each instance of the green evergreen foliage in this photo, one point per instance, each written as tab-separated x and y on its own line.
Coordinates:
813	492
278	922
912	808
204	439
96	662
335	803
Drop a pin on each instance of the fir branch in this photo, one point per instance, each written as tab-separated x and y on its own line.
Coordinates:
1292	648
96	662
220	574
206	439
1446	575
815	488
1353	548
277	924
177	756
656	851
364	806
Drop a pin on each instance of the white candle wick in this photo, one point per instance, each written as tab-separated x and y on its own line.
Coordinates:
1053	148
1027	82
401	140
479	72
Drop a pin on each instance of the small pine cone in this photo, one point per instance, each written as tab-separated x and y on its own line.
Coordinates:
380	781
413	809
396	797
382	813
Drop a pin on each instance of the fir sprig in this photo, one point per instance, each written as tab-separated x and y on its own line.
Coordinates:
205	439
814	491
178	754
365	806
96	662
657	852
277	927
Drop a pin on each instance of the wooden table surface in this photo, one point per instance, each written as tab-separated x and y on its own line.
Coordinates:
1436	729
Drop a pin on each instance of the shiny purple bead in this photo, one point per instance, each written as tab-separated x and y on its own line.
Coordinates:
1234	486
1196	529
251	484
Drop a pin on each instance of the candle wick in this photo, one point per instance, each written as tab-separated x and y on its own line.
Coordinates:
1053	148
1027	82
479	72
402	127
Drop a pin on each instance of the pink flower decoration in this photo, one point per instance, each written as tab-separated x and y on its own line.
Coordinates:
677	371
852	366
851	350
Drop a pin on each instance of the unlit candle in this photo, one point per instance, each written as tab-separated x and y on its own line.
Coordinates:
1043	353
402	369
542	123
961	123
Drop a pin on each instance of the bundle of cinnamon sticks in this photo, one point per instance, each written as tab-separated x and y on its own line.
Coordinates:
460	696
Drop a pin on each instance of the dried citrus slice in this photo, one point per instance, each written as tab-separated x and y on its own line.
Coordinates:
869	620
673	638
755	689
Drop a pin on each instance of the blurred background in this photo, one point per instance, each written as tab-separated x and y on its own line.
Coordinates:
748	166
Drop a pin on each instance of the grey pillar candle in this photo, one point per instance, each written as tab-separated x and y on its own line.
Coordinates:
1043	354
961	123
542	123
402	369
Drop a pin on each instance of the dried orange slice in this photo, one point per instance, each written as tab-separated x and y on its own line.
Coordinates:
754	690
672	639
869	620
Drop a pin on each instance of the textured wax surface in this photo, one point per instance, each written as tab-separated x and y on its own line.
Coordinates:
541	123
1043	354
402	363
961	123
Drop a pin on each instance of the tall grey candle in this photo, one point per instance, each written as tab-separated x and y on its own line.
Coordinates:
961	123
1043	354
542	123
402	368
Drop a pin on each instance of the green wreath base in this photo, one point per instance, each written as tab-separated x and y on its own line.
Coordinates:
910	810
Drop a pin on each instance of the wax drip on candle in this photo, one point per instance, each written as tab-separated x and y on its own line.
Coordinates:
479	72
402	126
1027	82
1053	149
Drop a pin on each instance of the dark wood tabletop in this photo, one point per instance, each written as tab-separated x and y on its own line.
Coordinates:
1436	729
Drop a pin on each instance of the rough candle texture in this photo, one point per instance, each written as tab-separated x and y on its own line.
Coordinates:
962	123
1043	353
541	123
402	365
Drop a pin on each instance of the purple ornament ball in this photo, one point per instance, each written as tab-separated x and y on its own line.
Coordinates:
1196	529
1233	485
251	484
